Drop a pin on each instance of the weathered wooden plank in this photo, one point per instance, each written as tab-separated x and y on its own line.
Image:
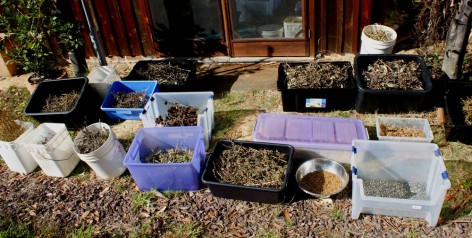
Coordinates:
131	27
339	37
323	26
118	26
351	26
332	25
106	27
145	26
365	11
84	31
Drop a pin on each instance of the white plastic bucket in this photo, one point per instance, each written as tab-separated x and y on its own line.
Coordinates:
106	161
101	78
271	31
370	46
14	153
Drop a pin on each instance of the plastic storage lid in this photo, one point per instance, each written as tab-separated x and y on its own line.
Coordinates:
309	131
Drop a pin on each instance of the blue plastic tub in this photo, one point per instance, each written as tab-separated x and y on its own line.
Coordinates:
166	176
127	86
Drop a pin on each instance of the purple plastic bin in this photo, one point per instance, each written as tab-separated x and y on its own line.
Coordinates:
311	136
166	176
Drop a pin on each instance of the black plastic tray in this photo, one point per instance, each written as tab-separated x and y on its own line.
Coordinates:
455	92
389	101
85	111
183	64
335	98
249	193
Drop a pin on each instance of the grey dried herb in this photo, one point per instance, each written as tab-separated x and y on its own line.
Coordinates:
317	75
165	73
393	75
172	155
62	103
135	99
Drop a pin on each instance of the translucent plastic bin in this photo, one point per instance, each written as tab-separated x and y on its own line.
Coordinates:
166	176
101	78
311	136
149	87
162	101
14	153
414	123
52	147
401	162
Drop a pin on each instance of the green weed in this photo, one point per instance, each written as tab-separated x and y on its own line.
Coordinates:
268	234
336	213
142	199
9	228
141	233
189	229
82	232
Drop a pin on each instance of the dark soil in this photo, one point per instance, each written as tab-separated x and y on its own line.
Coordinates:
393	75
62	103
317	75
247	166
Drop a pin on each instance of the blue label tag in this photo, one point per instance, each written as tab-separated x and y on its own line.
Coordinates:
315	103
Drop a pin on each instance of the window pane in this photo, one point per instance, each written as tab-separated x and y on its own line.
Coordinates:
186	19
266	18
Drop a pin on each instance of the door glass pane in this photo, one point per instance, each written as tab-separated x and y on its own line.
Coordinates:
266	18
186	19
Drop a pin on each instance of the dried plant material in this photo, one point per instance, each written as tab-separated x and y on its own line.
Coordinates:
130	99
164	73
467	110
247	166
62	103
321	182
317	75
399	131
393	75
378	33
179	115
172	155
10	130
91	140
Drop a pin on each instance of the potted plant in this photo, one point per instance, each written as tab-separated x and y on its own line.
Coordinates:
389	83
316	86
29	26
378	39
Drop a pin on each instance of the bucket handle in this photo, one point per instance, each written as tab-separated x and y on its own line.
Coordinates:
44	158
133	152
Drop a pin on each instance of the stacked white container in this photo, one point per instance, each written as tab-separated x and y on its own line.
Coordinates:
52	147
101	78
14	153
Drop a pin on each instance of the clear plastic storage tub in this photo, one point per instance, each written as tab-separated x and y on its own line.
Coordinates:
418	167
412	123
160	102
311	136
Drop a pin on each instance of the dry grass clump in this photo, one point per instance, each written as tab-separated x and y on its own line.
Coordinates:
173	155
91	140
317	75
247	166
393	75
398	131
378	33
62	103
165	73
467	109
9	129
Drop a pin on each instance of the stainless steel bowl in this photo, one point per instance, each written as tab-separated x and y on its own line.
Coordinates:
322	164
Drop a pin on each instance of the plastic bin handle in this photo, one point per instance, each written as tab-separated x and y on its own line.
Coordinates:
133	151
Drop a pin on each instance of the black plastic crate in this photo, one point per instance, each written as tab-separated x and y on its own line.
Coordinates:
190	65
389	101
85	111
456	91
249	193
316	99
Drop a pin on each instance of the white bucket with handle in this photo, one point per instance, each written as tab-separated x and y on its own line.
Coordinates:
107	160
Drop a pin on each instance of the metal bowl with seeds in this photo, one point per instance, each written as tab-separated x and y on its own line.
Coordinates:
321	178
